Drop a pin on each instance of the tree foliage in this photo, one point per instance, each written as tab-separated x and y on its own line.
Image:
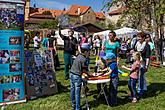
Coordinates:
49	24
143	15
139	12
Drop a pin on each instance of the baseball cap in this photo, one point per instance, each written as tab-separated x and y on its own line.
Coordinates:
109	56
85	46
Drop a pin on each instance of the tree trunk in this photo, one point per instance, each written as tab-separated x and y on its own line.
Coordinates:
155	30
161	37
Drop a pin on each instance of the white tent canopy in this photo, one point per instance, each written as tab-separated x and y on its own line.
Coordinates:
65	33
126	32
103	34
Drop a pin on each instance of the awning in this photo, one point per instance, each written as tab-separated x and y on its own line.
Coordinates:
88	27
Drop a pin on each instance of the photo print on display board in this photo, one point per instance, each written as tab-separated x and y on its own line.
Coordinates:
16	78
15	67
6	79
4	57
14	56
11	94
10	79
15	41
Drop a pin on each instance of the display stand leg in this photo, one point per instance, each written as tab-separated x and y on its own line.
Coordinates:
102	91
105	95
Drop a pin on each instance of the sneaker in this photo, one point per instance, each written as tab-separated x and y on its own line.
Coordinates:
134	100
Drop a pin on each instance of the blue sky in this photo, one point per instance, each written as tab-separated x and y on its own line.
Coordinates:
60	4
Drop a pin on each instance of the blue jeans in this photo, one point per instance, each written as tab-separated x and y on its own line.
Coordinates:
68	61
132	87
75	89
113	91
141	81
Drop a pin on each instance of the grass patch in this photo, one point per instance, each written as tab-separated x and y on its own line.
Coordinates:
154	99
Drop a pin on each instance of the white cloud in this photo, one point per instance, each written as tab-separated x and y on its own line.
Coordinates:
50	4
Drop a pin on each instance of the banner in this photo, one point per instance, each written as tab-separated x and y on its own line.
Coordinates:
12	88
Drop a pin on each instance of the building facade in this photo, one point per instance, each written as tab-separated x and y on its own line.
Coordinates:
77	14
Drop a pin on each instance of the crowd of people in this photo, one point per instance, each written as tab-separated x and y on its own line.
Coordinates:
76	59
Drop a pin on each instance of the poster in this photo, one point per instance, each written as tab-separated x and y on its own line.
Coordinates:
40	77
12	87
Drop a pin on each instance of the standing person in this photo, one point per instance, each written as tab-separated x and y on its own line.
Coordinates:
133	42
27	41
150	42
83	39
70	48
144	48
97	43
110	45
53	49
134	72
37	40
112	68
78	68
45	42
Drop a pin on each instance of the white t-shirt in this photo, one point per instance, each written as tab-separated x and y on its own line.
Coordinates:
140	46
36	41
97	42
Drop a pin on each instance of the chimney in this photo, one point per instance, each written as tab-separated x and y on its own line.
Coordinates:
78	10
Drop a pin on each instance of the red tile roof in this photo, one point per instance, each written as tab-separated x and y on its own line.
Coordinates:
57	12
38	12
42	16
118	11
74	10
99	15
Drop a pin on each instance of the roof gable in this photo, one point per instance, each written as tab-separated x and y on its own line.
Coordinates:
118	11
99	15
74	10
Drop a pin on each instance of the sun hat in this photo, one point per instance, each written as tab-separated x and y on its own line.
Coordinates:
109	56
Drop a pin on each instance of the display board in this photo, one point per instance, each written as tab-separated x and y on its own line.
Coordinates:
12	89
40	76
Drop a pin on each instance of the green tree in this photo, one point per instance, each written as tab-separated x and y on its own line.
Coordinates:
49	24
143	13
101	24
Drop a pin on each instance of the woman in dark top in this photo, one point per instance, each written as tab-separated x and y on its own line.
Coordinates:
52	48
